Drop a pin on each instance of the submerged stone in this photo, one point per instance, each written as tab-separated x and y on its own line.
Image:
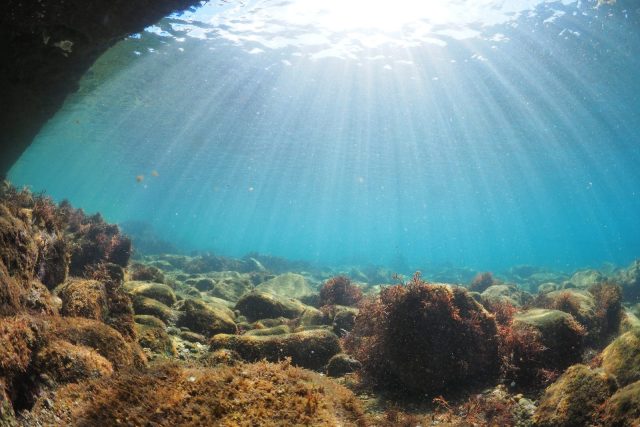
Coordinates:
152	307
342	364
623	408
621	358
559	332
262	305
309	349
205	319
290	285
261	394
574	399
157	291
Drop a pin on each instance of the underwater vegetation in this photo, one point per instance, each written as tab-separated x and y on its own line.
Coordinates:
168	394
88	337
340	291
427	338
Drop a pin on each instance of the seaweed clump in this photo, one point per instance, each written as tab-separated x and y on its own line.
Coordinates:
339	291
168	394
427	338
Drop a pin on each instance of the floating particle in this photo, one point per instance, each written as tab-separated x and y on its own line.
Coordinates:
139	178
154	173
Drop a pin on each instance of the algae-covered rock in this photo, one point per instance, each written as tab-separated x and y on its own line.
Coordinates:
275	330
585	279
83	298
344	319
424	338
340	291
623	408
146	273
152	307
621	358
262	305
629	279
64	362
342	364
288	285
155	339
108	342
205	319
260	394
309	349
502	293
311	316
559	332
193	337
629	321
574	399
147	320
230	285
157	291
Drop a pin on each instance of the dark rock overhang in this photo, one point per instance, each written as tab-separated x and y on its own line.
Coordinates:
46	46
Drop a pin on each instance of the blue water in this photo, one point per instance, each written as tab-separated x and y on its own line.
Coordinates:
510	135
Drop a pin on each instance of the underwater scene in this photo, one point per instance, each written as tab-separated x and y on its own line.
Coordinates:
336	213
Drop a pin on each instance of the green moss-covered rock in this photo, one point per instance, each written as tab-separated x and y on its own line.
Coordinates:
559	332
342	364
105	340
574	399
289	285
152	307
262	305
276	330
309	349
621	358
230	285
147	320
64	362
83	298
623	408
502	293
629	279
205	319
585	279
155	339
157	291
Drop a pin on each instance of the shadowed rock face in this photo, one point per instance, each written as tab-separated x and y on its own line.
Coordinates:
45	48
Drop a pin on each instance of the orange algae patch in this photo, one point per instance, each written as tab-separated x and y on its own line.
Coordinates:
241	395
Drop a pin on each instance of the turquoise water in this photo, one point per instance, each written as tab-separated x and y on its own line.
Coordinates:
477	134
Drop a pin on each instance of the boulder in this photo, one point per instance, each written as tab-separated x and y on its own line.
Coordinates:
152	307
621	358
629	279
585	279
64	362
288	285
105	340
204	318
559	332
342	364
147	320
228	394
262	305
230	285
309	349
623	408
574	399
83	298
157	291
155	339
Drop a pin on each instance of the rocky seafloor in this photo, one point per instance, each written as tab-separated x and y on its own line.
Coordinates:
91	335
